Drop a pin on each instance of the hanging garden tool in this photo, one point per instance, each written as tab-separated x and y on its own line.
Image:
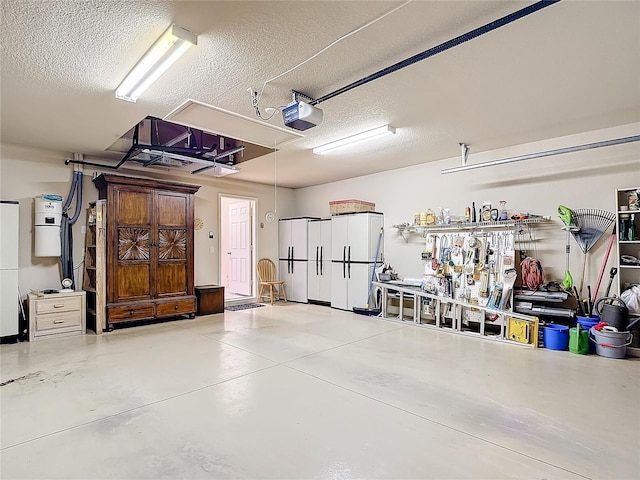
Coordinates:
587	226
565	215
612	275
592	223
612	239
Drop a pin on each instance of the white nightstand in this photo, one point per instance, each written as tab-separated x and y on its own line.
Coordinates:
57	315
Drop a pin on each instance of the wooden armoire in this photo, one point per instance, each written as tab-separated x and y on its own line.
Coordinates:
149	248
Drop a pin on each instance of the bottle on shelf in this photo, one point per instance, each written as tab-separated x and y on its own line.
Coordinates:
623	230
504	215
634	200
431	217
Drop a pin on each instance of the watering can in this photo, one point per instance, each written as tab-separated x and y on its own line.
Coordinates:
615	315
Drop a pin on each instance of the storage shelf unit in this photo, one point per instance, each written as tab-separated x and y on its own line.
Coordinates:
456	316
628	274
93	281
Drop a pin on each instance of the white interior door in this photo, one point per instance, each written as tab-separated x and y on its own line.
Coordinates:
240	247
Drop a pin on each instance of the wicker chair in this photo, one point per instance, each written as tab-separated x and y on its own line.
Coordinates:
269	283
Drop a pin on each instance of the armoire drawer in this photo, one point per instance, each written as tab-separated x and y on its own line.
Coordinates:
124	313
176	307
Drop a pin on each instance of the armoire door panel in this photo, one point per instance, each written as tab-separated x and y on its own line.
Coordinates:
172	244
133	243
171	210
134	207
132	282
171	278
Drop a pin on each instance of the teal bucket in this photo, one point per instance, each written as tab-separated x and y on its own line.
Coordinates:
556	337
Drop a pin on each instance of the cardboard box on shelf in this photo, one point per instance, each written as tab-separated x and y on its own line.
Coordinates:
338	207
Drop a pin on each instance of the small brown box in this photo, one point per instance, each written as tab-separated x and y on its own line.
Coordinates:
210	299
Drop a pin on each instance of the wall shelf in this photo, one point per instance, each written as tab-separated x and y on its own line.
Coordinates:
406	229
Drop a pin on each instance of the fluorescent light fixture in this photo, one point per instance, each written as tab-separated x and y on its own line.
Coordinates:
162	54
359	137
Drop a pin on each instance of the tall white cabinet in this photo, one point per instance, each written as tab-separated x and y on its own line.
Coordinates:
354	240
8	268
293	247
319	261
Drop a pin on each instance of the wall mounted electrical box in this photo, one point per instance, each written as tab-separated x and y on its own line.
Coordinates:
47	219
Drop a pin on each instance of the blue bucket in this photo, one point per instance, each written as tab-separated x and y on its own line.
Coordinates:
586	323
556	337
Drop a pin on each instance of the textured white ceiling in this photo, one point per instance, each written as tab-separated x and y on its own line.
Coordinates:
572	67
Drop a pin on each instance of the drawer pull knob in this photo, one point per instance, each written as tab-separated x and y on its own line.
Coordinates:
58	321
58	305
131	312
176	307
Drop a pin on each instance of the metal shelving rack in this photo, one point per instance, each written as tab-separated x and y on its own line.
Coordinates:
513	328
406	229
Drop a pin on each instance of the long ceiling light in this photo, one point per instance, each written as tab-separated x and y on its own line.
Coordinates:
359	137
162	54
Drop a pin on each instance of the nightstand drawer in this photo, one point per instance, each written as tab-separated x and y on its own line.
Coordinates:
58	304
176	307
59	321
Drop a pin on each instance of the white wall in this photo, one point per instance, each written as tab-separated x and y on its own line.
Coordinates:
26	173
584	179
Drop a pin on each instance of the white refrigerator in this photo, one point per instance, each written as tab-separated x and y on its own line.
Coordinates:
9	268
319	266
292	255
356	248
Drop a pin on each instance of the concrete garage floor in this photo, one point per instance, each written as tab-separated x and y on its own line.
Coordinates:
302	391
